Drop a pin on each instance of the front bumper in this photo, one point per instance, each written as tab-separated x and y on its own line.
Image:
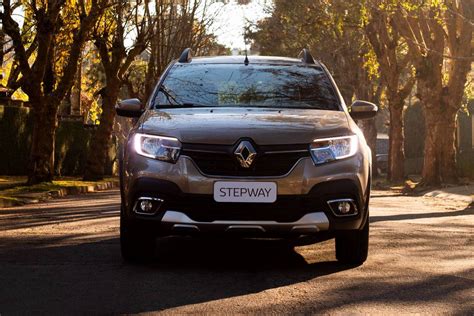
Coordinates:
291	214
301	206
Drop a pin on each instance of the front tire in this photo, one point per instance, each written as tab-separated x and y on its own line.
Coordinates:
352	247
136	243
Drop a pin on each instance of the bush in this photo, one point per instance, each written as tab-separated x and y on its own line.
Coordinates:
466	164
414	131
15	140
72	143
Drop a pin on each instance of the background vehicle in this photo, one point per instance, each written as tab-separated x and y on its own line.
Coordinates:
258	146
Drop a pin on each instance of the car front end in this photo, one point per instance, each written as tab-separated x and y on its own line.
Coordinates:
252	171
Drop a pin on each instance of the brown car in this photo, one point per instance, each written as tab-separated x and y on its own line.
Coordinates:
249	146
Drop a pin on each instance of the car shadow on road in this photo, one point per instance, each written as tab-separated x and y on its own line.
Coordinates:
91	276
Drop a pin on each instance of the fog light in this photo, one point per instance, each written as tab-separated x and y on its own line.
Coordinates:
146	206
344	207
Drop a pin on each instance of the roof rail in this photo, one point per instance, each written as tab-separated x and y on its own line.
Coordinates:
306	56
185	56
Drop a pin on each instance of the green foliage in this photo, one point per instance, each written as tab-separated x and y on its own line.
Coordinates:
371	64
93	80
469	95
331	30
93	113
7	68
134	80
15	131
72	141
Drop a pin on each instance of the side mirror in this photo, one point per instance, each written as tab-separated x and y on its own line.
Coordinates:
129	108
362	110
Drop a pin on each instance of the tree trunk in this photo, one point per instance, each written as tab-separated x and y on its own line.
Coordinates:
440	106
439	163
45	122
396	159
447	148
96	159
430	172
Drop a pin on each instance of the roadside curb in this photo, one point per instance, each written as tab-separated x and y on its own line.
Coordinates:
31	198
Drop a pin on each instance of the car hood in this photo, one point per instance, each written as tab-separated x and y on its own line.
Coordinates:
227	125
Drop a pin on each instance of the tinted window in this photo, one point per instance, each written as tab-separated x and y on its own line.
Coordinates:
214	85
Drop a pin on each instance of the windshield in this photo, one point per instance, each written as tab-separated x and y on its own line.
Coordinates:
258	85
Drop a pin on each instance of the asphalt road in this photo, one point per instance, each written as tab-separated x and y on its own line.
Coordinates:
63	256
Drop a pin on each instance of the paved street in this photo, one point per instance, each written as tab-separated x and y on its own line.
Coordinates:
63	257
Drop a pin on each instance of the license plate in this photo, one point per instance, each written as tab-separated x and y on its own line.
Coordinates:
245	192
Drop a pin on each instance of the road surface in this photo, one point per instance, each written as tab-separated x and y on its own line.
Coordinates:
63	256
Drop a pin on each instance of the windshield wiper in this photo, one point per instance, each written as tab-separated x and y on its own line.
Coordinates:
173	103
183	105
168	95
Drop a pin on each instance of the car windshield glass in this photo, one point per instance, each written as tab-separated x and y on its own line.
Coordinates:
258	85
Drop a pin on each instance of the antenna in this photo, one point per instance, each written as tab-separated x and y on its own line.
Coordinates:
246	40
246	60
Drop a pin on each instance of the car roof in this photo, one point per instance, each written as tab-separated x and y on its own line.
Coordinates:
253	59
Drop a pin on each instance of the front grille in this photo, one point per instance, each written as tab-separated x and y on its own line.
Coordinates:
220	160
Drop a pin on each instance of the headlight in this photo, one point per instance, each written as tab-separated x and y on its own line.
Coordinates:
157	147
329	149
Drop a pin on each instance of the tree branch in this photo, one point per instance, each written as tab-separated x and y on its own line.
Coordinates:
69	71
12	29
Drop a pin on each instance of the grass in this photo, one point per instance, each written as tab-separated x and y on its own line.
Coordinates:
6	179
11	181
17	186
9	198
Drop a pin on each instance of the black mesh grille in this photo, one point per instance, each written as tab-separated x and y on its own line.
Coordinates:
220	160
286	209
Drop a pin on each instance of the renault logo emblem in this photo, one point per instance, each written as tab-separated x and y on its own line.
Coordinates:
245	154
